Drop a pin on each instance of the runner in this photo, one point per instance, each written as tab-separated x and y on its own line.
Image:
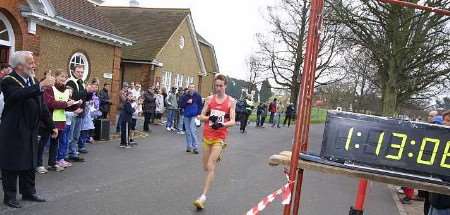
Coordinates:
218	114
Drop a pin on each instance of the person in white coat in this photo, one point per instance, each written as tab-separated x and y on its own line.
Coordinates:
159	104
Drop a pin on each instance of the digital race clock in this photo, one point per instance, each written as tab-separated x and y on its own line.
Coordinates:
384	143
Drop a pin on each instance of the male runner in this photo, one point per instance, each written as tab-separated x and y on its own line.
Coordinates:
218	114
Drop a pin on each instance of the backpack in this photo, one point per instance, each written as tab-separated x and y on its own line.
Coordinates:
240	106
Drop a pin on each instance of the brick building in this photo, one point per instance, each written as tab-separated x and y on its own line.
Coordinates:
168	51
62	34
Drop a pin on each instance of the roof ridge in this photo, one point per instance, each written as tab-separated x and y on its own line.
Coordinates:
150	8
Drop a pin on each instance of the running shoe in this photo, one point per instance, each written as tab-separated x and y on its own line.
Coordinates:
65	163
41	170
56	168
168	129
199	204
181	132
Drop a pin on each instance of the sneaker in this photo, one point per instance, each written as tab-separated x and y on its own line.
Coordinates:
188	150
83	151
76	159
133	143
128	147
56	168
406	201
65	163
122	146
199	204
195	151
168	129
181	132
41	170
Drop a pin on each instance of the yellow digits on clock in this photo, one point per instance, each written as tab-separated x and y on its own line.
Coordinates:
400	146
445	156
349	139
422	149
380	142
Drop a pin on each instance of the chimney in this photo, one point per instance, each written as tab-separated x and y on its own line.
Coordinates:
134	3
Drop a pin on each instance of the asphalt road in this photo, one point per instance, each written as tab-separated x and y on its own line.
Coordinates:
159	178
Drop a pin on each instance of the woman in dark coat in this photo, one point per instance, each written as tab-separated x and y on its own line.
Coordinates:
149	107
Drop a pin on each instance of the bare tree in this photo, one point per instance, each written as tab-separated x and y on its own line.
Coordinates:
283	48
255	75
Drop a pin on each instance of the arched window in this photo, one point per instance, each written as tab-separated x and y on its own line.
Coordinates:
7	39
79	59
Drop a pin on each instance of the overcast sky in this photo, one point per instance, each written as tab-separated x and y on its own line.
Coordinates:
230	25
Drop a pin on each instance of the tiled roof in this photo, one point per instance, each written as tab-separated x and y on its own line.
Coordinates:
85	13
151	28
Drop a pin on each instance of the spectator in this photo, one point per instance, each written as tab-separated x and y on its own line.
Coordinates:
18	146
57	99
290	114
135	105
105	102
439	203
261	113
159	105
178	110
240	107
4	70
79	93
191	102
248	103
126	115
149	108
122	99
272	110
277	116
181	125
91	112
172	107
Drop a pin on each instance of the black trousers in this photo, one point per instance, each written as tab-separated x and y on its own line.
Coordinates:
124	133
52	151
26	183
287	119
148	118
104	115
244	121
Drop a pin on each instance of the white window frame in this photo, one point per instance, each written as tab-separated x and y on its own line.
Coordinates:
180	83
11	38
167	80
85	63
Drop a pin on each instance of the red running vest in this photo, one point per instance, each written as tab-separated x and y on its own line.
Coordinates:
219	110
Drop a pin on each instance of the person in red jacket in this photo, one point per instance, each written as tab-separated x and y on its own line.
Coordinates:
57	99
272	110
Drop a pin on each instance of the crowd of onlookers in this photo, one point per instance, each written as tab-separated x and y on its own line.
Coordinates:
245	107
434	203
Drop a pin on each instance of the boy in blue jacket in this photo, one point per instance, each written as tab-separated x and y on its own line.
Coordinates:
192	104
126	117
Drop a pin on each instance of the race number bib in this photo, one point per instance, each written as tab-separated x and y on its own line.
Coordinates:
220	116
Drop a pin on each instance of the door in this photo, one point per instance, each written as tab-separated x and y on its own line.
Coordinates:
4	55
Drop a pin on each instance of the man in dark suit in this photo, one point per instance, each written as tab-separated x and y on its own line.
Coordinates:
19	128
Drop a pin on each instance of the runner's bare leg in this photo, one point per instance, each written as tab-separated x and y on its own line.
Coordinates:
211	166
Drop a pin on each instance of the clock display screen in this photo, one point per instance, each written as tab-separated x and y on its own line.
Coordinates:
399	145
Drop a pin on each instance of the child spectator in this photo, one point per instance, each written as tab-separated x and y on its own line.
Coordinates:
126	116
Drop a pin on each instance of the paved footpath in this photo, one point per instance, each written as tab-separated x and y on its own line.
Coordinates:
159	178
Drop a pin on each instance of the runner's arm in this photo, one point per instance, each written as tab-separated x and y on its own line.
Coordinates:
203	117
232	121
